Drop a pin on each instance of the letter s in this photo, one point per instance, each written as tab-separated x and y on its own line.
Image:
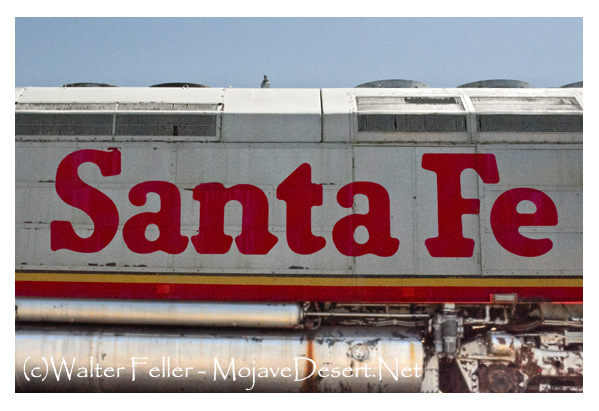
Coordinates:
98	206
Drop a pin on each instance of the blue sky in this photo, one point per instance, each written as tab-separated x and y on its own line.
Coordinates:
297	52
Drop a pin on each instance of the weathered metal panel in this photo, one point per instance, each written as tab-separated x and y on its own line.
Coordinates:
519	138
270	115
412	192
265	168
413	199
128	114
557	172
415	111
187	166
410	104
392	168
122	94
396	167
528	104
336	119
546	113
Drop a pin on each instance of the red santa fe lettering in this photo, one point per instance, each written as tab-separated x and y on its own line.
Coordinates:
254	238
168	220
377	221
301	195
97	205
506	220
451	206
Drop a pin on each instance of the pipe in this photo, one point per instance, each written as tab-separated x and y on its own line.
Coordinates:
184	313
362	315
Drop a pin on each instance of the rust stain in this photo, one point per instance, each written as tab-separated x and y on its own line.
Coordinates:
309	384
412	355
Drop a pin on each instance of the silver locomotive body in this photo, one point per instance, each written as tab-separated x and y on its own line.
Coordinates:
386	230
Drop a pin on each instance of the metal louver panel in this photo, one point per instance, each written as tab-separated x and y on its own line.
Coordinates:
67	124
202	125
529	123
424	104
429	123
525	104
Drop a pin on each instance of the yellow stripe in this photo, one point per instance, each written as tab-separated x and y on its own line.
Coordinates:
301	281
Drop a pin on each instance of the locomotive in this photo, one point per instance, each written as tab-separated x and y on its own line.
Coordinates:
381	238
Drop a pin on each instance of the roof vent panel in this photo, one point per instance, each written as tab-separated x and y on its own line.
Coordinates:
179	85
393	83
496	84
524	105
415	104
578	84
87	85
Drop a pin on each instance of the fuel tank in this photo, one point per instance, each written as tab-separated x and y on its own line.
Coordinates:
52	358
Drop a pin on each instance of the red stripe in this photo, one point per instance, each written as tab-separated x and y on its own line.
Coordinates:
290	293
